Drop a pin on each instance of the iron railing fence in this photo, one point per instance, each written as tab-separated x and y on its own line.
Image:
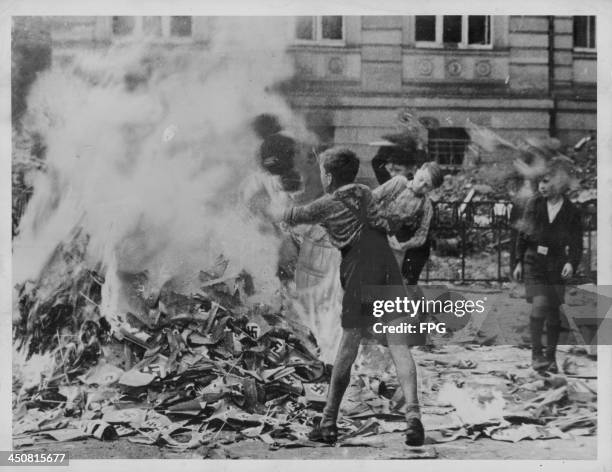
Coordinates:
479	227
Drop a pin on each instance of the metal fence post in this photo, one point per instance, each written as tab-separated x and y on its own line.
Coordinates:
463	235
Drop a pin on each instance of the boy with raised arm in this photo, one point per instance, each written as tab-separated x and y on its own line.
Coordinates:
348	213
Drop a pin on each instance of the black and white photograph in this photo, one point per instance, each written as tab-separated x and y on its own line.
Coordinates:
270	235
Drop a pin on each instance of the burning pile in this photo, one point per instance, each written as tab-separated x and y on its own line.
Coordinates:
134	260
205	369
174	368
185	363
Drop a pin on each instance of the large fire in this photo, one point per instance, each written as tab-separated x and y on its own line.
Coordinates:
146	151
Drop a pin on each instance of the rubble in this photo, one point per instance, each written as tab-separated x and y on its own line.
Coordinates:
192	371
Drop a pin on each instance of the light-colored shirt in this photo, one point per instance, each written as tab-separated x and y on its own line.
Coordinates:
553	209
398	204
420	235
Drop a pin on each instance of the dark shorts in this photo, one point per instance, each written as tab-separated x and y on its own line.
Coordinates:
368	262
542	276
414	261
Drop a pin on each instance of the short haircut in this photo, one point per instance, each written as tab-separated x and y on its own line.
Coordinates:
562	167
435	171
398	156
342	164
559	164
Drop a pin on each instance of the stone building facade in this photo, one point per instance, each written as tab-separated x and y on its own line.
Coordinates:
518	75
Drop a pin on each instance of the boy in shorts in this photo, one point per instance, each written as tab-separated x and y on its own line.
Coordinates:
348	213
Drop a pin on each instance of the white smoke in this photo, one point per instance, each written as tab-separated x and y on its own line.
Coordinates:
146	149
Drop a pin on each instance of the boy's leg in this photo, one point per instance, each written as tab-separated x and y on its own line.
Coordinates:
406	372
341	374
539	310
414	261
407	377
553	332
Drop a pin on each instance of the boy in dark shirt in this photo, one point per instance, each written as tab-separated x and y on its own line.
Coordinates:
349	215
548	252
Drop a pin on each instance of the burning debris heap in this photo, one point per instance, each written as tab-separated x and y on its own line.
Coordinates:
205	369
205	359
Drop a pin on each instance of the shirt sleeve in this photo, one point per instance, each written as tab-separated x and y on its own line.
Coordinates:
420	236
390	189
313	212
372	213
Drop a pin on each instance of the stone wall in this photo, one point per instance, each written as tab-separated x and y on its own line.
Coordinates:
358	84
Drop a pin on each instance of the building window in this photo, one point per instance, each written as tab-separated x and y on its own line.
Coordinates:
478	30
425	28
319	28
454	31
584	32
451	29
447	146
152	26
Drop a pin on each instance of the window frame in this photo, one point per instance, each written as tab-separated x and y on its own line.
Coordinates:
165	37
446	146
439	28
583	48
318	29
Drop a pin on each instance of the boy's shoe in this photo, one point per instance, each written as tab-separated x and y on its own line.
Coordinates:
539	363
553	368
415	433
325	434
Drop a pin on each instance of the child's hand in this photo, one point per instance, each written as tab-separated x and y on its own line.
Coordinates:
518	272
394	243
567	271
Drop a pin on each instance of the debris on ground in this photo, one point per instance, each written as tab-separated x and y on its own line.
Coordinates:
200	370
